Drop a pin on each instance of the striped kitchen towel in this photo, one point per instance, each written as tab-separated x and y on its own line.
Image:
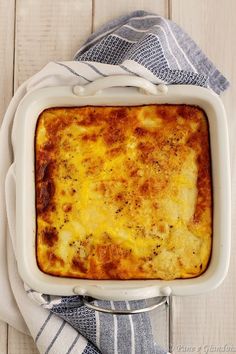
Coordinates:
151	46
141	44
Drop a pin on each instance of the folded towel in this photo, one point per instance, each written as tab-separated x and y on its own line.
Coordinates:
153	47
141	44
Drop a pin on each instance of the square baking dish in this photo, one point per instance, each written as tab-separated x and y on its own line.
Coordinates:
119	91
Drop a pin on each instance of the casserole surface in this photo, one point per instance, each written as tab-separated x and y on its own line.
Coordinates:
123	192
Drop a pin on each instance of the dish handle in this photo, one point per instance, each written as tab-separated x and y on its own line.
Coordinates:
159	301
96	86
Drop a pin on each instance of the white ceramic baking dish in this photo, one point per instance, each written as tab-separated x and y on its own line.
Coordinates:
119	90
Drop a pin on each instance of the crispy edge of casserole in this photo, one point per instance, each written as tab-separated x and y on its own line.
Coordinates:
123	192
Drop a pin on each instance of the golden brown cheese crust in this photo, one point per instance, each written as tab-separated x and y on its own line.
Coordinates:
123	192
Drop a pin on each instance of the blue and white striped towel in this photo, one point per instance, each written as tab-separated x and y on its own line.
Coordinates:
139	44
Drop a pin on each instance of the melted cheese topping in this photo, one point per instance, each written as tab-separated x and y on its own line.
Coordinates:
123	192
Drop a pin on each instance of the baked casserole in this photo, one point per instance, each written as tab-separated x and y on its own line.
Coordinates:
123	192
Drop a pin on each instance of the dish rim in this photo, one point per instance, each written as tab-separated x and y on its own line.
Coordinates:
23	143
